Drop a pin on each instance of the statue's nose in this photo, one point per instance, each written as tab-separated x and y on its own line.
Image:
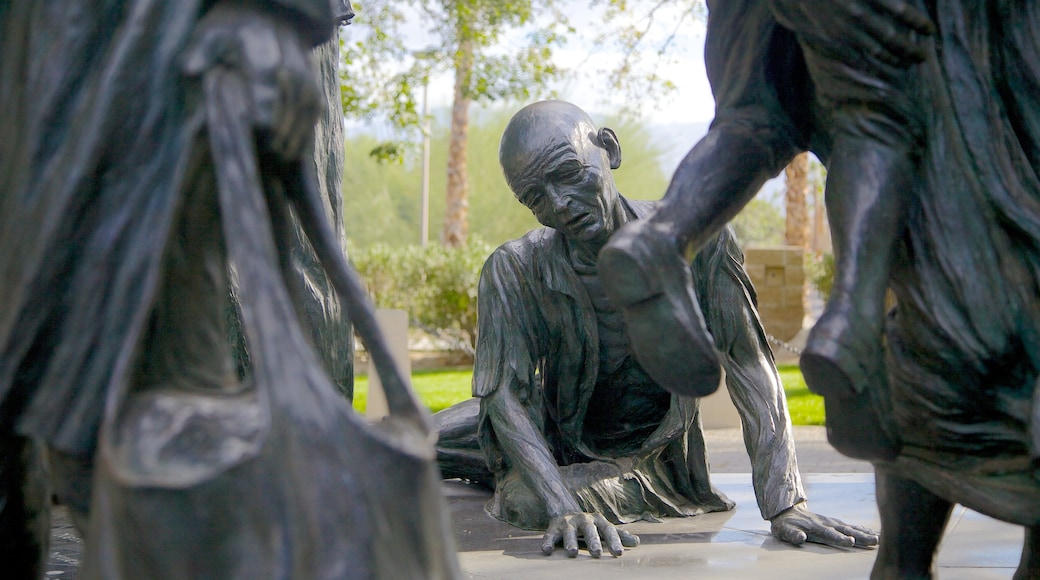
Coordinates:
560	201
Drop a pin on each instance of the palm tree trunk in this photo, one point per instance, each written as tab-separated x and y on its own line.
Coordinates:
796	204
456	225
796	201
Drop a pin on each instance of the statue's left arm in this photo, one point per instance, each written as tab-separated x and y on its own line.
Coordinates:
728	302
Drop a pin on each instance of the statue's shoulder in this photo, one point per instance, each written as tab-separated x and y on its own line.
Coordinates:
638	208
530	246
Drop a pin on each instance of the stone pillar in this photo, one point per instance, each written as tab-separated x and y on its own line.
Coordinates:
778	275
394	326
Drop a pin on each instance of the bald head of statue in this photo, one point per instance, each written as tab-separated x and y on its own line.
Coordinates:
559	164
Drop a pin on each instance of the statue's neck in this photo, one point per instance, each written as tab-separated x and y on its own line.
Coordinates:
583	254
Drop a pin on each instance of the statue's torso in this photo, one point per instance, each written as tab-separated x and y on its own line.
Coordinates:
626	404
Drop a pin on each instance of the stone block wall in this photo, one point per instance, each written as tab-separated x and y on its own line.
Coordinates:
778	274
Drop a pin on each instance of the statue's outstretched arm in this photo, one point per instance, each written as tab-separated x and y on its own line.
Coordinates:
758	395
526	449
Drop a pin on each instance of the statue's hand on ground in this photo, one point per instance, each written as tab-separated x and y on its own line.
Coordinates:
272	57
891	31
798	525
594	528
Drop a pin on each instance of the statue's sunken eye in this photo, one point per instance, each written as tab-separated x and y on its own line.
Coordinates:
570	173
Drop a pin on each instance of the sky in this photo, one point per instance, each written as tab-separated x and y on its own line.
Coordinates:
678	120
690	103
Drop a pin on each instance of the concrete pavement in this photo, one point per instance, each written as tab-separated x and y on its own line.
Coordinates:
734	544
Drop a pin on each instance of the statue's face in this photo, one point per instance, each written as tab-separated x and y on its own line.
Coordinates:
575	192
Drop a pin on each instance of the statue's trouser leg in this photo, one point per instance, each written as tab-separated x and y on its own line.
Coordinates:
912	523
458	449
1029	566
867	185
24	507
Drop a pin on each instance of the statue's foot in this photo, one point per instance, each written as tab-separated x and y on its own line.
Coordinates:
855	429
646	277
842	355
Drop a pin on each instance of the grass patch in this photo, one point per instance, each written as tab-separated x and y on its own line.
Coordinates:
805	407
438	389
441	388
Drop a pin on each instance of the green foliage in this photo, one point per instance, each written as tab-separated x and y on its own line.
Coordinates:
805	407
760	222
384	69
437	389
643	32
820	270
381	201
383	204
435	284
640	175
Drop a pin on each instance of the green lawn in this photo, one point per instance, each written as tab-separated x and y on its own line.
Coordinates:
441	388
805	407
437	388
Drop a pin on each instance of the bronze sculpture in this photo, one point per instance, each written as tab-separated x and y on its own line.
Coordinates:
939	207
147	147
571	432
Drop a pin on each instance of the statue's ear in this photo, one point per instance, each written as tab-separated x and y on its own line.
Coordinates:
609	141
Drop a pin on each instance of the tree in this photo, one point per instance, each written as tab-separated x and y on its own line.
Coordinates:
381	199
796	201
643	33
465	38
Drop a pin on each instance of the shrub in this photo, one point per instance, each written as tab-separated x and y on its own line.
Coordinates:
819	268
435	284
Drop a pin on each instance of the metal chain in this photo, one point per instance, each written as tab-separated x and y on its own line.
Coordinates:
783	345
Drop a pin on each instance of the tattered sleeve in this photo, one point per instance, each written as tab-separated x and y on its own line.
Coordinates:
506	355
728	302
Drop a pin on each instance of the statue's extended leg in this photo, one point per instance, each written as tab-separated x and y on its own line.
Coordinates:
855	428
24	507
1029	566
867	185
912	523
645	265
645	276
458	449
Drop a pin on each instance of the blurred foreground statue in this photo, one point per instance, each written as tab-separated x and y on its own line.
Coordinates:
148	149
927	115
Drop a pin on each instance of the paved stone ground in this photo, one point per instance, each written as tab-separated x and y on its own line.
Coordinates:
726	454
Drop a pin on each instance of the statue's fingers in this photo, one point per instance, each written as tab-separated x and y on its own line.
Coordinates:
790	534
628	539
864	538
831	537
592	541
610	534
570	540
549	541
